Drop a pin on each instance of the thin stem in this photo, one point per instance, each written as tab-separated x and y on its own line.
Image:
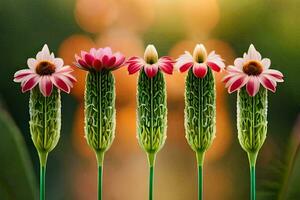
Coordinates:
252	182
200	182
252	162
100	172
200	159
43	161
151	180
42	182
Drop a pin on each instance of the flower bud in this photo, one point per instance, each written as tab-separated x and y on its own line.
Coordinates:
152	113
45	121
150	55
100	111
200	53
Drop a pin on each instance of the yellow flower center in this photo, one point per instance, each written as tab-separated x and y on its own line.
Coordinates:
253	67
45	68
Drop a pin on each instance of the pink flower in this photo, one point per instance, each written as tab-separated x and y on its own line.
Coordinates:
150	63
199	61
252	70
98	59
45	70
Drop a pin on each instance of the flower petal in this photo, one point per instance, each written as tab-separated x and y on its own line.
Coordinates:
253	54
277	75
31	62
20	75
252	86
134	67
237	83
266	62
214	66
60	83
46	86
151	70
58	62
200	70
166	65
97	64
239	62
30	83
89	59
268	82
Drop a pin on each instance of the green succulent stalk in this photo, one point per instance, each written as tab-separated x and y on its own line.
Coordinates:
45	124
200	117
152	117
252	126
100	116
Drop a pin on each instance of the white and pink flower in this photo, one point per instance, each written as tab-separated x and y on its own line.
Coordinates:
200	61
99	59
252	70
45	70
151	63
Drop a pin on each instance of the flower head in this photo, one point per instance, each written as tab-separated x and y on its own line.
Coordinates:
199	61
252	70
151	63
98	59
45	70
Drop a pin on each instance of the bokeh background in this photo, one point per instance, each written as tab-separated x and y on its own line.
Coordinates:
227	26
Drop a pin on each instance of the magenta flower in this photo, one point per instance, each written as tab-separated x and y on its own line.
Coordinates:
98	59
46	70
151	64
252	70
199	61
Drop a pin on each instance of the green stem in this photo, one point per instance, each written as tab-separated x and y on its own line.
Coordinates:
100	172
200	182
151	161
43	161
42	182
252	161
100	159
200	160
151	178
252	174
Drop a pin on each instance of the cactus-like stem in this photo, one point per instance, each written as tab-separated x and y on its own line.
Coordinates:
100	116
200	111
45	124
200	117
152	117
252	126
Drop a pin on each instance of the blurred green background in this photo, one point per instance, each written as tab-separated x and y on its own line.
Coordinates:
228	26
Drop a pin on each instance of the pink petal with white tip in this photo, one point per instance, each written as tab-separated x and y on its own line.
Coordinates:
277	75
199	70
22	74
214	66
252	86
46	86
60	83
268	83
30	83
237	83
151	70
186	66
